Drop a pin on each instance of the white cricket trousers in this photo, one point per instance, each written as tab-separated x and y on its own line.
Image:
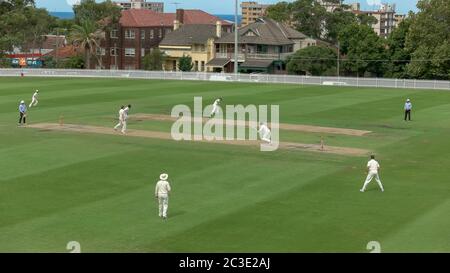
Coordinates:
122	124
369	178
215	110
266	137
34	102
163	200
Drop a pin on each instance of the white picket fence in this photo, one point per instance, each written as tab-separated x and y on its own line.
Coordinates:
257	78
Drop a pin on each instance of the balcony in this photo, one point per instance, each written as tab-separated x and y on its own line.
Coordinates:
262	56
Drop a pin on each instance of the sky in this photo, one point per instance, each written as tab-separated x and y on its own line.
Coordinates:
227	6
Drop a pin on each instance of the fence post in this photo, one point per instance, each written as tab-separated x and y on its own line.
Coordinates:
415	83
357	81
434	86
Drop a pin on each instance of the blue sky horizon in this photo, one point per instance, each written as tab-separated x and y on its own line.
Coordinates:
216	7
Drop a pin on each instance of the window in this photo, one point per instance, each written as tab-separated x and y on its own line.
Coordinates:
129	34
152	33
113	33
202	68
202	48
142	52
113	51
142	34
160	33
100	51
130	52
196	66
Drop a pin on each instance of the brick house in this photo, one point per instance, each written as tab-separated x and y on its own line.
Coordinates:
141	30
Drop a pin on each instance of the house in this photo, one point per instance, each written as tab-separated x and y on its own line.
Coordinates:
196	41
263	47
140	30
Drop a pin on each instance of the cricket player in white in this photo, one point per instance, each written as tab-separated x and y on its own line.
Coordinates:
215	109
121	118
264	132
372	171
162	191
34	99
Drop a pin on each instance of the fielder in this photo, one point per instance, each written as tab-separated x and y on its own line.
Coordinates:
372	171
121	118
34	99
22	113
264	133
162	191
215	109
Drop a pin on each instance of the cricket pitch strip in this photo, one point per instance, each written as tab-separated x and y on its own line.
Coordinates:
78	128
282	126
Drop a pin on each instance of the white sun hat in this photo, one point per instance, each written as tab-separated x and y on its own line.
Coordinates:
164	176
408	100
22	101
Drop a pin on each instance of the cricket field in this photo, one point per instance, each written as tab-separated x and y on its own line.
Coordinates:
58	186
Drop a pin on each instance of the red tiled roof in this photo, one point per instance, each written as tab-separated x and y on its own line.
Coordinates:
149	18
199	17
145	18
65	52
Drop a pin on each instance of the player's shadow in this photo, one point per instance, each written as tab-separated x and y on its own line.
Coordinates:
177	213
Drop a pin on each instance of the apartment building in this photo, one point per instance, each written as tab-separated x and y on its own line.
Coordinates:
141	4
252	11
386	19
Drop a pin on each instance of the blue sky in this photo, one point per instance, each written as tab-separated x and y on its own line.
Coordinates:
224	6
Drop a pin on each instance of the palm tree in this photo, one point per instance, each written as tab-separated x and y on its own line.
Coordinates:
87	35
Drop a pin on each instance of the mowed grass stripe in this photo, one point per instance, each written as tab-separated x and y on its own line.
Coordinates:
189	209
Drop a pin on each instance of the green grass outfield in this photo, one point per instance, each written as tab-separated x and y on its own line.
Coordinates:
57	187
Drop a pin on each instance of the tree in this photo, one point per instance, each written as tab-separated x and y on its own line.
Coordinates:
185	63
75	62
365	19
87	36
21	24
428	40
39	23
104	12
308	16
280	12
335	21
314	60
154	60
397	54
364	51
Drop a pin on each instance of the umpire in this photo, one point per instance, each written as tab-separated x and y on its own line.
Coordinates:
22	113
408	108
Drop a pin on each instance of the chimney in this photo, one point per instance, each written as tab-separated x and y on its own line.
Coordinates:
176	24
180	16
219	29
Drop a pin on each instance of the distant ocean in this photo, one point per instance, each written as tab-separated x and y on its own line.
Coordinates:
62	15
70	15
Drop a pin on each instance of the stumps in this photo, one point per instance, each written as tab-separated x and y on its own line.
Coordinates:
61	120
322	145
